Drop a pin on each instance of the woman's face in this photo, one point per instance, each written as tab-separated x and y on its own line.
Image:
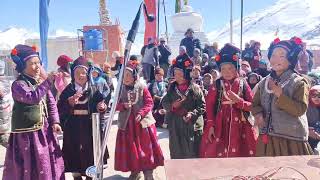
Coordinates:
279	61
315	98
80	76
182	51
33	67
228	71
195	73
245	68
253	80
95	74
128	78
159	77
196	54
179	76
214	75
207	81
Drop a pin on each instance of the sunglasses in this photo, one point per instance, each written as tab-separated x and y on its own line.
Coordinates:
315	96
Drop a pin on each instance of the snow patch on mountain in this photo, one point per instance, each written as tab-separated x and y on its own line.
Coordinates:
12	36
284	19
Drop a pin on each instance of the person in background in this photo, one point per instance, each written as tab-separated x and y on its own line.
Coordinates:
253	79
76	104
311	59
33	152
165	52
252	54
63	78
207	83
183	56
208	49
280	104
158	88
190	42
313	115
215	49
107	74
246	52
262	70
303	59
137	147
196	76
215	75
117	66
256	55
228	131
205	60
185	106
5	106
196	59
150	59
209	66
245	66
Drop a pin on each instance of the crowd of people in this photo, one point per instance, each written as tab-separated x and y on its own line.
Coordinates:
215	103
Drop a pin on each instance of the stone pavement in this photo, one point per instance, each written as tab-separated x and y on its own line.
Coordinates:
110	173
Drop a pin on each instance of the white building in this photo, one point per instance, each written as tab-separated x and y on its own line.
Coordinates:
69	46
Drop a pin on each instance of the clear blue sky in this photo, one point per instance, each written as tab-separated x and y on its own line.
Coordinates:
70	15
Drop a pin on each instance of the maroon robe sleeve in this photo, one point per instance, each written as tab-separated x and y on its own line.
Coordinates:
148	103
245	103
120	107
210	106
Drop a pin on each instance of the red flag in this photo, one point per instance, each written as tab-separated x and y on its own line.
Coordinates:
150	27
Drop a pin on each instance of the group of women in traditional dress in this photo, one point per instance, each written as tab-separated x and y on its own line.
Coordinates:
228	121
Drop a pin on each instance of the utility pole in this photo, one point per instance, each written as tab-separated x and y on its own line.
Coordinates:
231	21
241	33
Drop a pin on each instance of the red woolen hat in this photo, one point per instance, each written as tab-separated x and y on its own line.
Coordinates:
63	60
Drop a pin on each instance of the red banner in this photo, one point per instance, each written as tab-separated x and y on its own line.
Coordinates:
150	27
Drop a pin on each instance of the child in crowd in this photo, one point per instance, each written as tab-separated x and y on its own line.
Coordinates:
228	131
196	59
137	147
158	88
196	76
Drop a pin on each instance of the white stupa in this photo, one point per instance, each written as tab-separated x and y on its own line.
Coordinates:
187	18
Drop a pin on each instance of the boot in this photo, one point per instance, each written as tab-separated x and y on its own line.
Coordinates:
88	178
135	176
77	178
148	175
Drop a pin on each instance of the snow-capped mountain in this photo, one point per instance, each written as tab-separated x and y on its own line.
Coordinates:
13	36
284	19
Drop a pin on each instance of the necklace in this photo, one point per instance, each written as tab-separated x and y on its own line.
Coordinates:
185	94
282	85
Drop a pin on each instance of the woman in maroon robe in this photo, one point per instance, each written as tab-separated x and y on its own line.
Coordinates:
228	130
137	147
